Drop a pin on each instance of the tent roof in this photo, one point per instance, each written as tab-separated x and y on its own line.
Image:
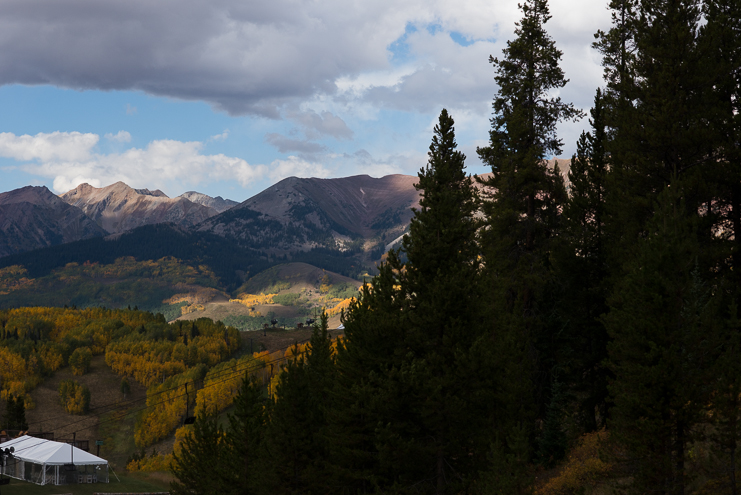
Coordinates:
49	452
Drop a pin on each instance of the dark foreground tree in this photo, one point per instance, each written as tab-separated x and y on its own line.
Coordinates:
296	443
199	466
582	270
720	40
15	413
522	213
415	399
661	325
244	459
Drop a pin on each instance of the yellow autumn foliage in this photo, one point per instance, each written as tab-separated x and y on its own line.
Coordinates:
584	468
191	308
254	299
337	309
157	462
222	384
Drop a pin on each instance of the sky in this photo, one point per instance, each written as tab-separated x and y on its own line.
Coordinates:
227	97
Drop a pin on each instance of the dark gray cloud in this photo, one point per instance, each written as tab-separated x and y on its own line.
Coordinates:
287	145
266	57
242	56
317	125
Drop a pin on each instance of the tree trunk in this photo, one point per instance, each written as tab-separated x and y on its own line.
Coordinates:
440	472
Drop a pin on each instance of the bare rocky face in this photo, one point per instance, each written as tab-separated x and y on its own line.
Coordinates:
118	207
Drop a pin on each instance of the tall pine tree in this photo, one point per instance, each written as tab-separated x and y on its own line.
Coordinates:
244	459
198	468
411	343
522	213
661	326
720	42
581	270
296	443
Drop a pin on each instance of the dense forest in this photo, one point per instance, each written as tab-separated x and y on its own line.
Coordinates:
582	333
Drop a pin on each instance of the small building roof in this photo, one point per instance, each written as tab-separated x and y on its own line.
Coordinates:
49	452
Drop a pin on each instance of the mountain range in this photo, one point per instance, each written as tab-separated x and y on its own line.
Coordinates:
359	214
33	217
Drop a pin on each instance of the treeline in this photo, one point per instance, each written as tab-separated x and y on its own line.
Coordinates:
150	242
228	260
267	440
511	323
207	392
125	282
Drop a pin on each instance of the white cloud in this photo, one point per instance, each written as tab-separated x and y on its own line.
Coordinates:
327	67
220	137
55	146
294	166
316	125
69	159
119	137
64	184
286	145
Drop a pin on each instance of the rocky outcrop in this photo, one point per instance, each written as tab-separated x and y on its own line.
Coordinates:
218	203
118	207
33	217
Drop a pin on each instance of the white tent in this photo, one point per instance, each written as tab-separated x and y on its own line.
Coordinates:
48	462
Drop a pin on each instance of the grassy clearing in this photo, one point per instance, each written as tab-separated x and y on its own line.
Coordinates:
130	483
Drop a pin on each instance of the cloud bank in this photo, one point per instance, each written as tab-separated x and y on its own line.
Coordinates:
70	158
257	57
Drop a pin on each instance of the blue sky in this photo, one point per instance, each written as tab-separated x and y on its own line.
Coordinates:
227	97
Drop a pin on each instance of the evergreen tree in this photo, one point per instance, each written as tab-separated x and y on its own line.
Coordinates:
373	343
522	213
509	471
720	41
414	365
243	452
660	352
552	442
433	417
199	466
15	413
617	47
660	130
581	270
125	387
297	429
725	406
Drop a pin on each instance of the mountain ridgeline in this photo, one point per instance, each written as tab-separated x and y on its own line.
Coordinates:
343	225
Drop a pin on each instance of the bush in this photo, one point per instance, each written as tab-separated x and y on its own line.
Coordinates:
75	398
125	387
79	361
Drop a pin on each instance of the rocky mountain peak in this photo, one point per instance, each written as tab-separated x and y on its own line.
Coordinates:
119	207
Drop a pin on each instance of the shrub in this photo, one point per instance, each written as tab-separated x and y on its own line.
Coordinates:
75	398
80	359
